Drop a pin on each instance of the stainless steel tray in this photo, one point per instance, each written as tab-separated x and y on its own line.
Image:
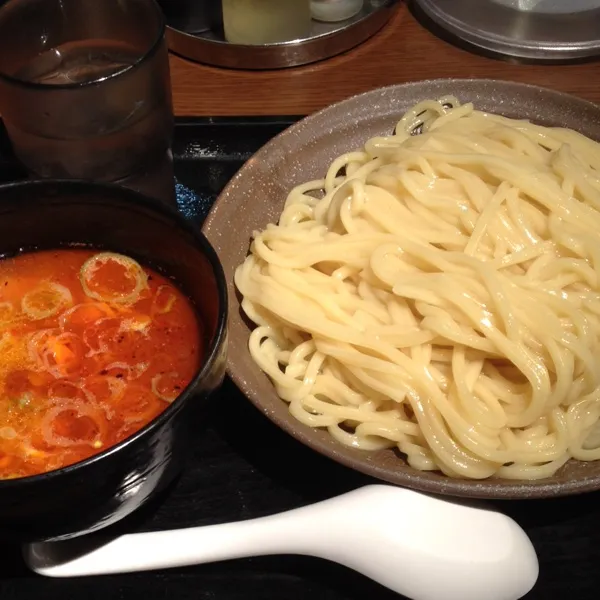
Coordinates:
540	30
326	40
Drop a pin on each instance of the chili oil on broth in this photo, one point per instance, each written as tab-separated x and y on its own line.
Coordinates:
93	346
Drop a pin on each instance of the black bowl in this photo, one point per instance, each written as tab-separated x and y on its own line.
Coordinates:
105	488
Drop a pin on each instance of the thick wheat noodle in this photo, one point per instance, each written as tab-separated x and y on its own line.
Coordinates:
439	292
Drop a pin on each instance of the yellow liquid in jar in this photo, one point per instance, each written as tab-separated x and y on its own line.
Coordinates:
256	22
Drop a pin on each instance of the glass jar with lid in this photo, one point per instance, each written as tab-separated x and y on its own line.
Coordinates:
257	22
335	10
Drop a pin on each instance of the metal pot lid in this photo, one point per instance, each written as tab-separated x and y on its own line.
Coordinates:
531	29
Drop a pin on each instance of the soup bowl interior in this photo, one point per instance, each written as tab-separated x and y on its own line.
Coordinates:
107	487
302	153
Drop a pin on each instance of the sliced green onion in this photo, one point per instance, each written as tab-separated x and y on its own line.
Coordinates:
55	296
133	269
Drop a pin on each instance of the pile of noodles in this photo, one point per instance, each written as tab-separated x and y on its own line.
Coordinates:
439	292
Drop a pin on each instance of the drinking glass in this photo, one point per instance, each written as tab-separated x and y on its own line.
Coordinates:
85	90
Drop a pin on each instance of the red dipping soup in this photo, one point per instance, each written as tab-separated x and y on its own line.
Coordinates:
93	346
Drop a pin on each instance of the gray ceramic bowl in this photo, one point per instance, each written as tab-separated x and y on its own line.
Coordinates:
255	197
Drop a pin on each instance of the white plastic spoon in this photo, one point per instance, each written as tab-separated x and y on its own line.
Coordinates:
420	546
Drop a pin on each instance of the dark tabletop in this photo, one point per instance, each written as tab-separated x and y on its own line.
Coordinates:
242	466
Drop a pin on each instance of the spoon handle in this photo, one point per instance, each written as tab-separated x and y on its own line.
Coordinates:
283	533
